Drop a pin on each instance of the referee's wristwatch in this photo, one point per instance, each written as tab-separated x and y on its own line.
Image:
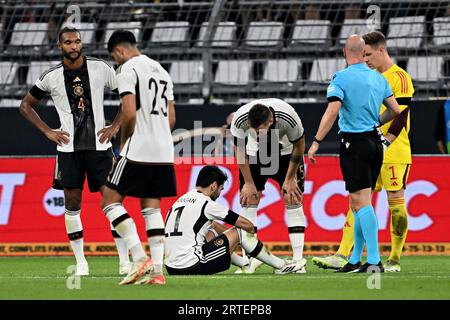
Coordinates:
317	140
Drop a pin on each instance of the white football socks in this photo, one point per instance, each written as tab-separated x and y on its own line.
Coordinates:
154	224
296	222
126	228
74	230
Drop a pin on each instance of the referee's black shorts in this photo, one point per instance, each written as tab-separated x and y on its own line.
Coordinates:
361	158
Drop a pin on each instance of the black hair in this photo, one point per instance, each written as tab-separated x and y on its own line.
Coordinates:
121	36
67	30
258	115
374	38
210	174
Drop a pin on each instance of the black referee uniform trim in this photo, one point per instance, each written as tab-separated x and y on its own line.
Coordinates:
231	217
403	101
75	235
333	99
155	232
120	219
257	250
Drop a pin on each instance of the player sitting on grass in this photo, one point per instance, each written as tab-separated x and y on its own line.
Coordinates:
193	243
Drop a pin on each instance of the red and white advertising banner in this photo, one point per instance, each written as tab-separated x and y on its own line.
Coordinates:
32	212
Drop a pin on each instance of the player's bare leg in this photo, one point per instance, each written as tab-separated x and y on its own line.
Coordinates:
126	228
255	248
237	260
74	229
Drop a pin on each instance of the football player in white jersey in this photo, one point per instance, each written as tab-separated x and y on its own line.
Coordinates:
145	167
76	87
270	143
195	244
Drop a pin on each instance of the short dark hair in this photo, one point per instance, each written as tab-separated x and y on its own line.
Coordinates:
258	115
121	36
374	38
67	30
210	174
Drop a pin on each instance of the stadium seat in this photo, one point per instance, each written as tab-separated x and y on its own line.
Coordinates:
280	75
133	26
29	34
311	33
225	35
37	68
232	76
8	71
406	32
441	28
352	26
426	70
264	34
323	69
28	39
170	33
187	76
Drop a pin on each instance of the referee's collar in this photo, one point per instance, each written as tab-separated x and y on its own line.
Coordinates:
361	65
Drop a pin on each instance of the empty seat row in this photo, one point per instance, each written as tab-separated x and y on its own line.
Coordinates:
238	72
404	32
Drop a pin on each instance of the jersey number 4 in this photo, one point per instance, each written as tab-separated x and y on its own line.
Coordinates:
154	84
175	232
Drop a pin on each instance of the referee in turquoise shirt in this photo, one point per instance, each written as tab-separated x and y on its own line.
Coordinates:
356	94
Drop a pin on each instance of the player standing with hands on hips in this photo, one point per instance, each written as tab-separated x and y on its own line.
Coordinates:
356	94
76	87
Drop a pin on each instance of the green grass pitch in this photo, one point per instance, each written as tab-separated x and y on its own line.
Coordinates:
425	277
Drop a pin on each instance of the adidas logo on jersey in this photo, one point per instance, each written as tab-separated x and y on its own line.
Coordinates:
77	79
394	184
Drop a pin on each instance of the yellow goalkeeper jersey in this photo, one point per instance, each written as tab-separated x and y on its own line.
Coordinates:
402	88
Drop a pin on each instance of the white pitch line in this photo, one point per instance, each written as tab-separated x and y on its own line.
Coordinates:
239	277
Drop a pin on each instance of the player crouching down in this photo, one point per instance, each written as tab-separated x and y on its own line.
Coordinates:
195	244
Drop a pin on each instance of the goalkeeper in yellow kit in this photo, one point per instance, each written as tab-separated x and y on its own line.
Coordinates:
396	162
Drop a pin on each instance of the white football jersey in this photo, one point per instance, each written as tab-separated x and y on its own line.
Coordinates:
151	141
187	224
286	120
78	98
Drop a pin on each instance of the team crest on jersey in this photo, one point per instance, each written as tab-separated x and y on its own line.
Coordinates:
218	242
